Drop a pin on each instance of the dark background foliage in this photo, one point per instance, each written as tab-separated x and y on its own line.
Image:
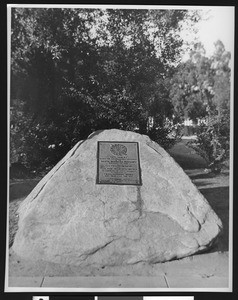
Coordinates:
74	71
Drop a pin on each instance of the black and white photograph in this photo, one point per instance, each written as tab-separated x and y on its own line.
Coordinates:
120	148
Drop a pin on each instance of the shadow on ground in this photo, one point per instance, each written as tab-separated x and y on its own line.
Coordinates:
218	198
186	157
202	176
21	188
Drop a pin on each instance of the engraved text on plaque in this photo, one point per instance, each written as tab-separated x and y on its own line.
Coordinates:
118	163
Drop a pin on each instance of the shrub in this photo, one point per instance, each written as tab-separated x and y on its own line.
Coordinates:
212	141
166	136
37	145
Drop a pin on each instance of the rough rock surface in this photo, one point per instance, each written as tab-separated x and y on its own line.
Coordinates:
69	219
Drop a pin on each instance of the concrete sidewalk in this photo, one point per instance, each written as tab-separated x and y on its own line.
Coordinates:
163	281
202	271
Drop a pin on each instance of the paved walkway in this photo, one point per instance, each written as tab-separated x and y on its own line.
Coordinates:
205	271
139	282
208	271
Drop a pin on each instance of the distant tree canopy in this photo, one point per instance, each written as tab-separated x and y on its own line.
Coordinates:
200	89
201	85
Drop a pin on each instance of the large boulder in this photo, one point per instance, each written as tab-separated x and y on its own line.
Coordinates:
70	219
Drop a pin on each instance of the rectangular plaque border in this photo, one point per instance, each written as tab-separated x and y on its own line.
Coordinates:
138	157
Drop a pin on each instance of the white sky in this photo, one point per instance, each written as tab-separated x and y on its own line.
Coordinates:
219	25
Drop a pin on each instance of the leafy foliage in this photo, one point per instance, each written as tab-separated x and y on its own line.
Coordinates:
167	135
201	90
192	85
213	142
79	70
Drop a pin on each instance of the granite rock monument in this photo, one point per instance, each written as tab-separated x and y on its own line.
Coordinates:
115	209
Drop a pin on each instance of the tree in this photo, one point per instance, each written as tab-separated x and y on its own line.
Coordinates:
78	70
220	66
192	85
201	90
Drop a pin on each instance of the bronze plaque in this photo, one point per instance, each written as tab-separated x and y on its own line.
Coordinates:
118	163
